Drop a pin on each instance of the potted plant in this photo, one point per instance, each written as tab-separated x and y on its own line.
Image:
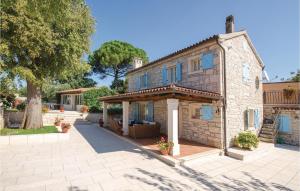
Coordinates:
65	127
288	92
246	140
84	109
164	146
57	121
61	108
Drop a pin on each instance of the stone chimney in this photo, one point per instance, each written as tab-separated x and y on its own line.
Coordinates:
229	24
137	62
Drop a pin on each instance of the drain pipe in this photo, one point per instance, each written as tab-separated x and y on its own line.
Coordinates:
225	97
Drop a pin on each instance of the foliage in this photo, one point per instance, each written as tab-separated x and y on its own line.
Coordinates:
84	109
114	58
45	109
7	100
296	77
288	92
91	98
55	35
7	84
43	130
163	144
50	89
21	106
247	140
12	110
79	81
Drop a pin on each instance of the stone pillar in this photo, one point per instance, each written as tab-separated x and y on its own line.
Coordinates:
172	109
105	116
125	117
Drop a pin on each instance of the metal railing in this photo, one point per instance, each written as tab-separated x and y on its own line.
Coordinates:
278	97
276	125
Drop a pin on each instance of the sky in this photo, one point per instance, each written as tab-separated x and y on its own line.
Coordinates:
161	27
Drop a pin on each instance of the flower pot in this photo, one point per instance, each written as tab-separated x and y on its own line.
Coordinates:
62	109
57	123
101	123
164	152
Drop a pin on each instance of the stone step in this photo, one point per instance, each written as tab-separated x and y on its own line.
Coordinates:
266	136
266	140
269	126
267	132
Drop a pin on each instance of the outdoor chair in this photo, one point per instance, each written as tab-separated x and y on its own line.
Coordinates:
115	127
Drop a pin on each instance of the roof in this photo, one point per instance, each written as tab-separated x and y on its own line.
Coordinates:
169	91
288	82
74	91
209	39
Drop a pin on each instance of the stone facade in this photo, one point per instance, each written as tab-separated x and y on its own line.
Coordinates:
208	79
241	95
293	137
198	130
160	115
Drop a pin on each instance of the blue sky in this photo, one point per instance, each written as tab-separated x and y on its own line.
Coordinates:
163	26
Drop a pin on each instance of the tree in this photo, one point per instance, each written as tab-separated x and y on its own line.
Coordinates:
43	41
79	81
113	59
296	77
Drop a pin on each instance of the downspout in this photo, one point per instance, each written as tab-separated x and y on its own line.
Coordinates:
225	97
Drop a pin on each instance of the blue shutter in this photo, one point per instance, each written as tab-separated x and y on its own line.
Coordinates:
207	60
150	111
136	111
137	83
285	124
256	122
164	75
178	72
245	72
207	112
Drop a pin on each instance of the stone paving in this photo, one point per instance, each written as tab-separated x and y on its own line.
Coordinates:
96	160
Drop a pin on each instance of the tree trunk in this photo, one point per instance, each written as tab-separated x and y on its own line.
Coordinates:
33	118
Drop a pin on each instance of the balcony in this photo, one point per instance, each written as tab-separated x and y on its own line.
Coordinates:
280	98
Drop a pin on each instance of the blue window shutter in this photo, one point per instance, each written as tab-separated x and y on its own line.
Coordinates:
207	112
150	111
207	60
136	111
285	124
256	123
178	72
164	75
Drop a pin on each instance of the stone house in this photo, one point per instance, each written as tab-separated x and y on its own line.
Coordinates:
71	100
207	92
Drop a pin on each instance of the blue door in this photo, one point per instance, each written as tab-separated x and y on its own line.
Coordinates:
284	123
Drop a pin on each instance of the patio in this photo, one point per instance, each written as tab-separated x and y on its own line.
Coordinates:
187	148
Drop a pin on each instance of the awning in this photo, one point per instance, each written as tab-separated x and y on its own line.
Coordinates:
164	92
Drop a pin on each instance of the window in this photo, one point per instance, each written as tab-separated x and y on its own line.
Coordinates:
144	80
204	112
66	99
143	111
246	72
171	75
252	119
257	82
79	99
195	64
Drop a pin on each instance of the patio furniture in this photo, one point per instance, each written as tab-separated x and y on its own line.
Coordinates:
144	130
115	127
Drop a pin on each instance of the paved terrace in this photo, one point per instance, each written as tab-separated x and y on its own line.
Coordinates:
96	160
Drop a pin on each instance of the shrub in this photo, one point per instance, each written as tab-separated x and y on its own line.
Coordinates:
91	98
21	106
45	109
247	140
280	140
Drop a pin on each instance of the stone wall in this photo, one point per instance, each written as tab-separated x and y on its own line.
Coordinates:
292	138
241	95
203	79
202	131
13	117
161	115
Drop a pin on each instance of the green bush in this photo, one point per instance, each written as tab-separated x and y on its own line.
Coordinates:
280	140
21	106
91	98
247	140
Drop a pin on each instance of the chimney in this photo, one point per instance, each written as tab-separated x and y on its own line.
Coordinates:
137	62
229	24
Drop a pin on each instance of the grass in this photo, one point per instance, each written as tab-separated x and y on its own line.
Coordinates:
43	130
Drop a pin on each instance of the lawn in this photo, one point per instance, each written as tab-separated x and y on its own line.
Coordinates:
43	130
